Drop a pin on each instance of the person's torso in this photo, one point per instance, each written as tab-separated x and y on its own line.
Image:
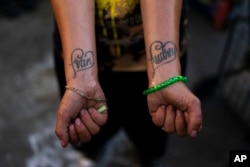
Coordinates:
119	35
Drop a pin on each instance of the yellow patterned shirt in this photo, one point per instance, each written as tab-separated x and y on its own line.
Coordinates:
120	43
119	35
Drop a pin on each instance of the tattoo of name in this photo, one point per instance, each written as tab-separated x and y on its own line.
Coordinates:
81	60
161	53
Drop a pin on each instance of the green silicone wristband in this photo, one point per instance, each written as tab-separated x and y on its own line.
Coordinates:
165	84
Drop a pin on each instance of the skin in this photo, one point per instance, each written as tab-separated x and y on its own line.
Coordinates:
174	108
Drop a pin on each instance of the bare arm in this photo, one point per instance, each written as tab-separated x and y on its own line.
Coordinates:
75	20
173	108
161	28
77	118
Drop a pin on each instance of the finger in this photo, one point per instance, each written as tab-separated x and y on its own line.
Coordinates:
99	118
82	131
158	117
169	125
92	127
180	124
186	117
73	135
62	124
194	118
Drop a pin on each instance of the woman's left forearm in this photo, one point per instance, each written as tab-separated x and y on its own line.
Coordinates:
161	21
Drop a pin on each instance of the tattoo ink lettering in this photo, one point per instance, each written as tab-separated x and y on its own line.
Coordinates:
81	60
161	53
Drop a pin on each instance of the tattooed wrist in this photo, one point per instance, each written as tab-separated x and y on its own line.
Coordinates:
81	60
161	53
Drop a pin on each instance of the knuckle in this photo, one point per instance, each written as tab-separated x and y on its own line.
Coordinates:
195	101
58	133
64	111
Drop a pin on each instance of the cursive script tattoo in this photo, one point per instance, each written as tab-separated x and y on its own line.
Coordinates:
81	60
161	53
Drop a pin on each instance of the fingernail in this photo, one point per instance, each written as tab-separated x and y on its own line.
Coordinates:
78	122
71	127
83	112
178	113
193	133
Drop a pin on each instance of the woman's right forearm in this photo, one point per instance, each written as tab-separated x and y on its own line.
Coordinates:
75	21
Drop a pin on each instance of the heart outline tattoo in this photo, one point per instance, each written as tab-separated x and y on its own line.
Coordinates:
162	53
81	60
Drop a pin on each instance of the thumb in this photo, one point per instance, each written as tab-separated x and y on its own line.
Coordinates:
62	124
195	118
68	109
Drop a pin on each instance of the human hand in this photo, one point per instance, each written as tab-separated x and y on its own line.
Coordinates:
77	117
176	109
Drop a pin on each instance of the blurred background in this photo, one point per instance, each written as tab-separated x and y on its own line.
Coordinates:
218	71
